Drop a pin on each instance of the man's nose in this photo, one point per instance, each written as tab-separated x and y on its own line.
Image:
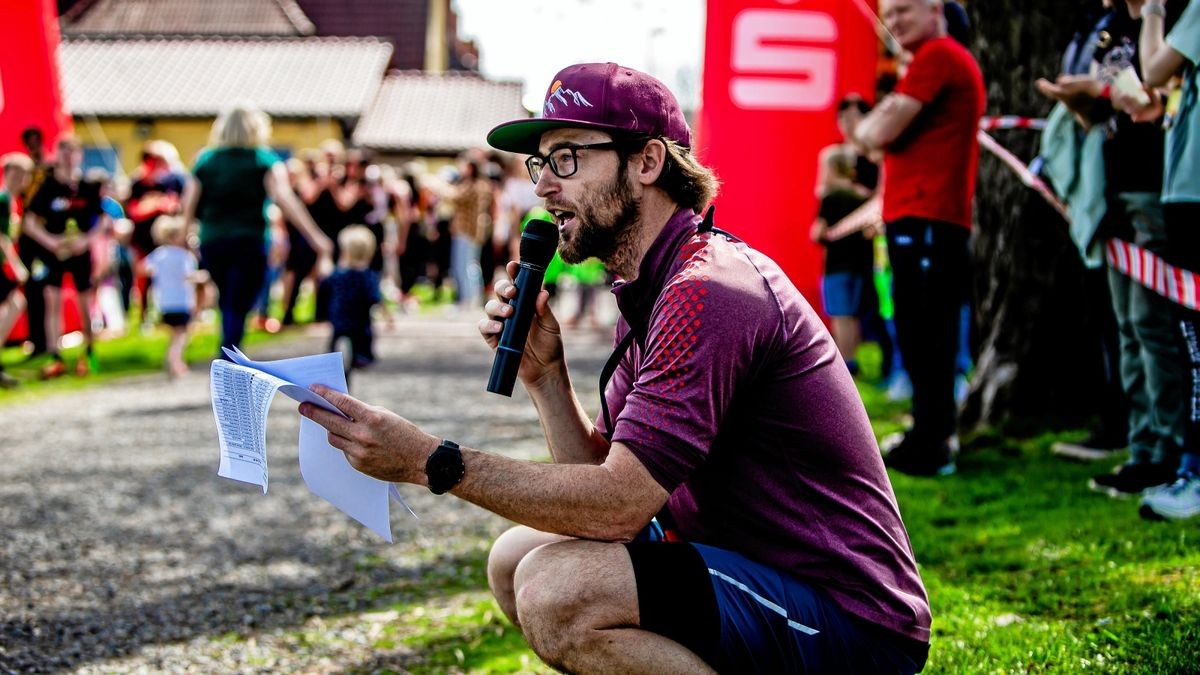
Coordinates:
547	183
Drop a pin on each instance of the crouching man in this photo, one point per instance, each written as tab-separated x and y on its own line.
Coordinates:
728	510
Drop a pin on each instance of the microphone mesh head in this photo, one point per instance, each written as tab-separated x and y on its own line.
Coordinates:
538	242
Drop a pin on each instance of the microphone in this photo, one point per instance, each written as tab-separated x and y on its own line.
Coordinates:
538	243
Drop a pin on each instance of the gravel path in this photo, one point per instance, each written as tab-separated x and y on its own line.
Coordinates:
122	551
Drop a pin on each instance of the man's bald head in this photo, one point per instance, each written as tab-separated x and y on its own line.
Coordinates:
913	21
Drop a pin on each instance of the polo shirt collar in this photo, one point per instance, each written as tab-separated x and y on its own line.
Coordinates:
635	299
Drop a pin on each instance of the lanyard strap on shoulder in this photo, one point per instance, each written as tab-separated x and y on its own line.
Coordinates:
622	348
707	225
610	367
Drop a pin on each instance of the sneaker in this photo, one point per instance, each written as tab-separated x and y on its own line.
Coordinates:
82	368
900	388
913	460
962	389
1131	479
55	368
1176	501
1095	447
890	442
8	381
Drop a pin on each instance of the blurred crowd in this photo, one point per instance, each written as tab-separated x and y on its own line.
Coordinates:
1119	149
245	236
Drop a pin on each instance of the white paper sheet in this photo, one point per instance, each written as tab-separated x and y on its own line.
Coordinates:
241	396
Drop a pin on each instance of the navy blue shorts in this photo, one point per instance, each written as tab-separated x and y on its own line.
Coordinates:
842	293
741	616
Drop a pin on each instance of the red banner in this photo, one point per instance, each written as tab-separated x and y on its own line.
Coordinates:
30	90
774	71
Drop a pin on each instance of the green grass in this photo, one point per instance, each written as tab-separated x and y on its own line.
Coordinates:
1029	571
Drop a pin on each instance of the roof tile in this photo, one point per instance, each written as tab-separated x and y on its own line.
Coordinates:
188	17
436	113
298	77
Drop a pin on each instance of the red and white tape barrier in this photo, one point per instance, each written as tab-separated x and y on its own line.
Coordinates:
1173	283
1011	122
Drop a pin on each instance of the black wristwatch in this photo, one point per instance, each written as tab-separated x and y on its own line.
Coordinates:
444	468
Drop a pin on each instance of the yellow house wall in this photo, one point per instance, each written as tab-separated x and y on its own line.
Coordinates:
189	135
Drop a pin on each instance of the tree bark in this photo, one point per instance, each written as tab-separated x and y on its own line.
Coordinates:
1038	362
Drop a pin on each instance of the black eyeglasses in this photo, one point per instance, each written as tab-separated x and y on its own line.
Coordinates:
563	161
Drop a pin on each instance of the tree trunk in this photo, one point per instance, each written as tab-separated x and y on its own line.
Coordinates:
1035	365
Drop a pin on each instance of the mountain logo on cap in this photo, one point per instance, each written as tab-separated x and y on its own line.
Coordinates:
560	93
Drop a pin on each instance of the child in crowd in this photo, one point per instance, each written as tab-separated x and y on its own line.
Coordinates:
351	291
174	272
847	286
17	170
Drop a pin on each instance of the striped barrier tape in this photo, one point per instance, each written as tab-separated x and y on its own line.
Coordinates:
871	212
1011	122
1173	283
1018	167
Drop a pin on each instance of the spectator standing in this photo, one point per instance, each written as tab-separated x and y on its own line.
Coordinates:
33	256
927	129
64	217
726	412
155	189
471	199
846	179
301	260
232	181
353	290
17	171
1150	347
174	272
1072	160
414	228
1162	59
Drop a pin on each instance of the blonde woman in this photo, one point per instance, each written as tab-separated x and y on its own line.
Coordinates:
233	182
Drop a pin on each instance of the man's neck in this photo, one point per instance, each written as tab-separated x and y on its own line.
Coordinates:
656	211
64	174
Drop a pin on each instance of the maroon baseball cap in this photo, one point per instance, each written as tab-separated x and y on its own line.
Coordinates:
603	96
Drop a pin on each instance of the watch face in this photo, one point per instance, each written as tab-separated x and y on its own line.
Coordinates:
444	469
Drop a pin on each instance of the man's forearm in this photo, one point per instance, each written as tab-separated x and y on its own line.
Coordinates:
579	500
570	434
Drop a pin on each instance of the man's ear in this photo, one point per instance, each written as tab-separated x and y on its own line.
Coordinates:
652	159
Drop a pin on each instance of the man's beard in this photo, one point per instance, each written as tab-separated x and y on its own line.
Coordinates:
605	227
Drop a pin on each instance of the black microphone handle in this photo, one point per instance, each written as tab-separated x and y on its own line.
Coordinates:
516	329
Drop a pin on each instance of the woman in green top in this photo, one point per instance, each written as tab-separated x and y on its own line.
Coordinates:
233	182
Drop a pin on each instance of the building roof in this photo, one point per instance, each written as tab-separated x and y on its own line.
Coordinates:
404	22
295	77
425	113
186	17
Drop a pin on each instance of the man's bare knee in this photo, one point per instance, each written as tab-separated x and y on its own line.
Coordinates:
562	600
507	552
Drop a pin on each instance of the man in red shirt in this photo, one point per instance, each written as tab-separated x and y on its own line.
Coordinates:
927	129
